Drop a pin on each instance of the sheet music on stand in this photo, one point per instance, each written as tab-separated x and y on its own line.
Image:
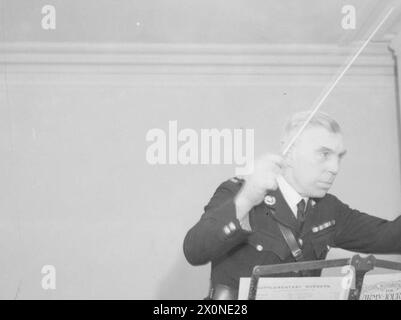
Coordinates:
381	287
354	285
301	288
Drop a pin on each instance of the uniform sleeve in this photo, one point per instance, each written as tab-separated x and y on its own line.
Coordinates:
360	232
218	229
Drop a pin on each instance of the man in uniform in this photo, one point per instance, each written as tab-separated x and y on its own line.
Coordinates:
282	212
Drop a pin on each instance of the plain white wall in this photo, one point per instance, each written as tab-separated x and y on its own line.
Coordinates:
77	192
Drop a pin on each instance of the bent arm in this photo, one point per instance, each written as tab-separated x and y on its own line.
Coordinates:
218	230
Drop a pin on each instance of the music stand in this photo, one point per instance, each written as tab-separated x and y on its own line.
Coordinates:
361	265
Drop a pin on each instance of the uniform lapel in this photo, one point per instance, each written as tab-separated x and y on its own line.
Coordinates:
281	211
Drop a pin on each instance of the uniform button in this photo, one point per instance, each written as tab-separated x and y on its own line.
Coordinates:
231	225
259	247
328	247
270	200
301	242
226	230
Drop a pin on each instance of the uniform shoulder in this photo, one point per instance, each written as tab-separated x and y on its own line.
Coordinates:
330	197
331	200
226	190
234	183
237	180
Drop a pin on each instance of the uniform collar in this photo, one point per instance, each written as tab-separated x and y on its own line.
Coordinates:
291	196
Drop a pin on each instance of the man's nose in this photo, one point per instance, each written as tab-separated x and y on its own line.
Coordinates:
334	165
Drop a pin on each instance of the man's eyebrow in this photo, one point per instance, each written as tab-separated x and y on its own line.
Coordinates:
322	148
326	149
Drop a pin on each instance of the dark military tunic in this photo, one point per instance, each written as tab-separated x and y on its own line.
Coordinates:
233	252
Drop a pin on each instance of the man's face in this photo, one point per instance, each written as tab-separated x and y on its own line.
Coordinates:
315	160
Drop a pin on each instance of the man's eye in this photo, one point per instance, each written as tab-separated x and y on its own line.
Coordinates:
324	154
